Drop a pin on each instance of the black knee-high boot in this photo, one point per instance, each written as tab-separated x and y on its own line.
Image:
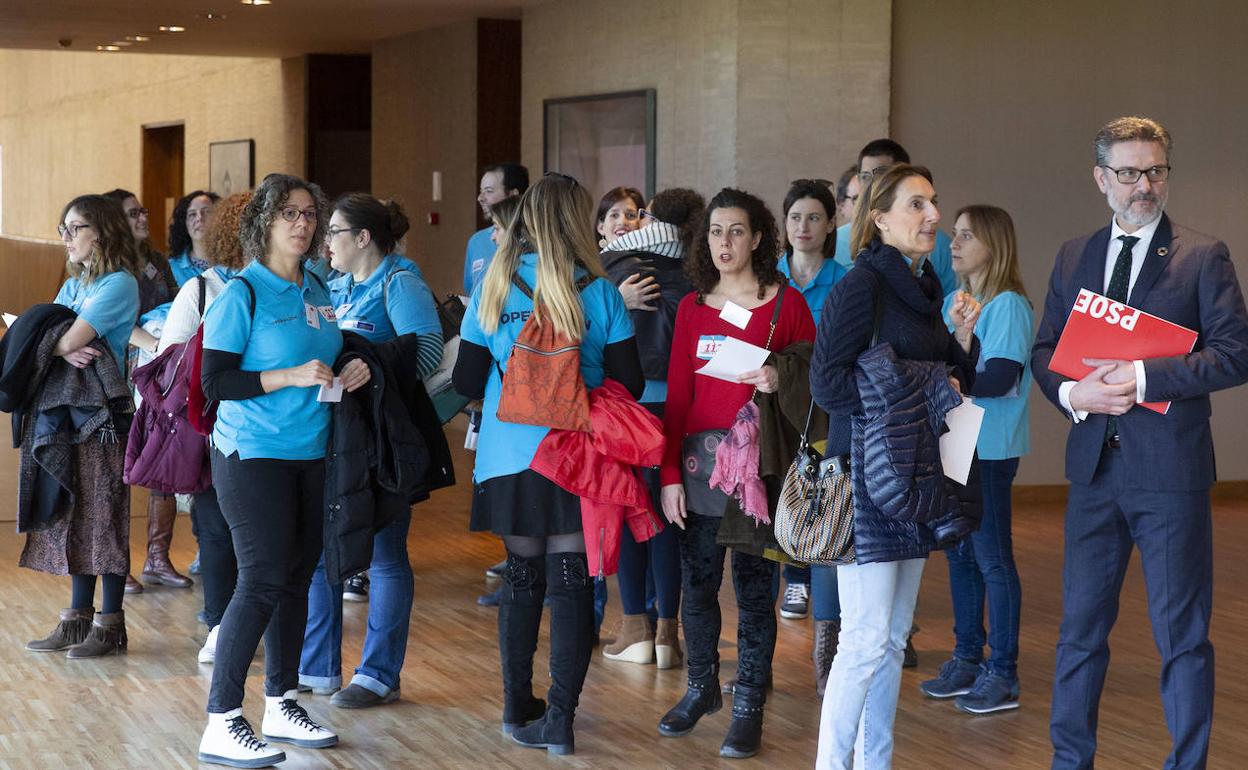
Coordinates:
571	643
519	618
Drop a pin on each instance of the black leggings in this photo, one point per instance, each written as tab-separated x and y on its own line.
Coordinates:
275	512
755	581
531	547
83	592
218	568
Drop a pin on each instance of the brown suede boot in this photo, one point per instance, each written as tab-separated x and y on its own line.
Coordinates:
635	642
107	637
133	586
667	652
158	570
827	634
73	628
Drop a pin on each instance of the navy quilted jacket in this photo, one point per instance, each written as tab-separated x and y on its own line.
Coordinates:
902	407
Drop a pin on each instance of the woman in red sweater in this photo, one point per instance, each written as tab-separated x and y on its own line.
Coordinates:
736	291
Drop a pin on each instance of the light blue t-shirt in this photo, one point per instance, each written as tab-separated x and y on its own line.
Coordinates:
504	448
941	258
1005	330
816	292
477	258
292	325
382	307
110	304
185	267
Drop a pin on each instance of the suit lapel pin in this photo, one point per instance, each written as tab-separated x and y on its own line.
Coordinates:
1162	251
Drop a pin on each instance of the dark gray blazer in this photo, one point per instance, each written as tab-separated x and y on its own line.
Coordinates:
1187	278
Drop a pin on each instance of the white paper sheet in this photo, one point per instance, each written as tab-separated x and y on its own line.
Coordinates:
331	393
734	358
957	447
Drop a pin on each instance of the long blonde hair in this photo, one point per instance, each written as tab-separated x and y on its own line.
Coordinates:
556	219
995	228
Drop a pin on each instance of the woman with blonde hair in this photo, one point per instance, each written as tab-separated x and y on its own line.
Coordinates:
547	258
91	535
985	258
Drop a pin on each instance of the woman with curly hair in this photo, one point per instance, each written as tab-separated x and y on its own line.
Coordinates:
218	567
738	292
270	338
92	538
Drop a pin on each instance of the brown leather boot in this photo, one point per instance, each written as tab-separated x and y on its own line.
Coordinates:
158	570
107	637
827	634
635	642
73	628
133	586
667	652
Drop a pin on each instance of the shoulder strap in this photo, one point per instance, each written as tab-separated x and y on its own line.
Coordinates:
385	287
775	315
203	293
581	284
251	292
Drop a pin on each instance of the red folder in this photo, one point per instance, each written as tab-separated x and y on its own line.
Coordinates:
1099	327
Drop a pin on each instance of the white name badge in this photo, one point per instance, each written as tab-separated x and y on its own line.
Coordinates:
735	314
150	271
313	317
327	313
331	393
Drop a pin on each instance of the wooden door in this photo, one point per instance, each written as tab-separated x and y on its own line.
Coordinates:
164	158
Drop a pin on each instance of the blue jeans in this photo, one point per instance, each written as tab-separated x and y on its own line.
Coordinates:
861	700
984	564
825	601
657	562
389	610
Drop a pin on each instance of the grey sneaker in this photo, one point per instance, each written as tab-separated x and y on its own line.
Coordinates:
796	602
353	696
957	677
991	692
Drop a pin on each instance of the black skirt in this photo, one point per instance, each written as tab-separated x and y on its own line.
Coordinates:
524	503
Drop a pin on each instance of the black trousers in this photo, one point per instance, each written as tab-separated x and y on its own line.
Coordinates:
218	569
274	510
755	581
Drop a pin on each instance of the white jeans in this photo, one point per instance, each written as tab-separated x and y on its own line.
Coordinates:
877	608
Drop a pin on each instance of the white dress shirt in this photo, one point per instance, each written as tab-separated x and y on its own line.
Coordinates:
1139	250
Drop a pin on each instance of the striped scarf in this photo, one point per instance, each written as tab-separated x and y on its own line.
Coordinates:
657	238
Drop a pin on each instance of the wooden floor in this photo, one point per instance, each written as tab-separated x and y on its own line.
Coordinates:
146	709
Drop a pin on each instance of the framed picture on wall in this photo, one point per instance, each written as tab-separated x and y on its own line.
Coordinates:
604	140
231	166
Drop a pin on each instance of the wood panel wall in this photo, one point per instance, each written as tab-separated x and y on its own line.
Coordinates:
32	270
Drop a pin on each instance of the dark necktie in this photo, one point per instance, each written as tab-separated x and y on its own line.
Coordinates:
1119	283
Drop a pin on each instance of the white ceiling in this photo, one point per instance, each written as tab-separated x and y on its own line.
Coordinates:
285	28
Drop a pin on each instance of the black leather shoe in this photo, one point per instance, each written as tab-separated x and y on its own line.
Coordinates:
552	732
700	699
745	734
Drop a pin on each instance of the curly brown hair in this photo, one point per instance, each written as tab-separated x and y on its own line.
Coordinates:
700	268
223	246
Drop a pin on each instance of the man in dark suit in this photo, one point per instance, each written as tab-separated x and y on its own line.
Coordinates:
1138	477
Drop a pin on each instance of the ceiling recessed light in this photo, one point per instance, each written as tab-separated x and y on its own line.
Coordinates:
108	48
122	43
171	28
256	2
138	38
210	16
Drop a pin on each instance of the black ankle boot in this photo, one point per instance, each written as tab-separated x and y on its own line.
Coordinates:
519	617
571	597
700	699
745	734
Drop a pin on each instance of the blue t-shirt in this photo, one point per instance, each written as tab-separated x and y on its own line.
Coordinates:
110	304
292	325
477	258
378	313
1005	330
941	257
505	448
816	292
185	267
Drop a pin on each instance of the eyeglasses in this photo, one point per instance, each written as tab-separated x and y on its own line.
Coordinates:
136	213
852	198
333	231
292	214
1130	175
71	230
867	176
196	214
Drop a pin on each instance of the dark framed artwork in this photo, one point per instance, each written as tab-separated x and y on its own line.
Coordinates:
604	140
231	166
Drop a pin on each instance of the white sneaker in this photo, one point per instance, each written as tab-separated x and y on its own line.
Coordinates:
208	653
229	740
285	721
